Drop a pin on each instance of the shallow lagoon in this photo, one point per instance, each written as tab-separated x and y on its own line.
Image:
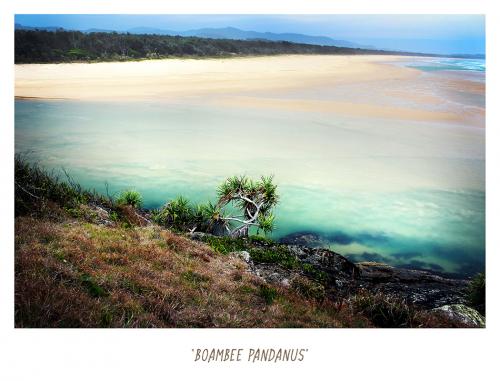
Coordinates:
405	193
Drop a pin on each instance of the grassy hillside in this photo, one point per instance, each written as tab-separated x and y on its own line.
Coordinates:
77	274
83	260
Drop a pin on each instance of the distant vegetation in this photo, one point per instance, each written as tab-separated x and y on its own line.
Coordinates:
38	46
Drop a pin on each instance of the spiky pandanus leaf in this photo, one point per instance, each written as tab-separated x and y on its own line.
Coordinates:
266	222
255	199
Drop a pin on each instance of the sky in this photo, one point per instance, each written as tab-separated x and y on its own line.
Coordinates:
443	34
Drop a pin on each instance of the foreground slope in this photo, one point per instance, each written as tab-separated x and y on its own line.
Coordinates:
78	274
83	260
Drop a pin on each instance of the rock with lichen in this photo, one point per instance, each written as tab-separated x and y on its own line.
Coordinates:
461	314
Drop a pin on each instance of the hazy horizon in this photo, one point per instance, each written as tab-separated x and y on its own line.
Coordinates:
439	34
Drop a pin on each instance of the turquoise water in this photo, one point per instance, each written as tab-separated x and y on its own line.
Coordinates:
410	194
438	64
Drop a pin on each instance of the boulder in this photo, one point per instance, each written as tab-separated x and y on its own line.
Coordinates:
244	255
462	314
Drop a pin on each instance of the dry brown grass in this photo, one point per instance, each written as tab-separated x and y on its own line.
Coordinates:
77	274
72	272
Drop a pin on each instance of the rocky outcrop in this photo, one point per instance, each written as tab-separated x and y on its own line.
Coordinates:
342	273
305	238
341	277
418	287
462	314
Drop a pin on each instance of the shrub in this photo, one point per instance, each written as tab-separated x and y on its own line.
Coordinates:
36	189
130	197
385	311
268	293
254	200
181	215
309	288
177	214
224	245
261	240
312	272
476	293
278	255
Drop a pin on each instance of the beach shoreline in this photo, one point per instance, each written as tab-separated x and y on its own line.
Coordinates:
350	85
153	79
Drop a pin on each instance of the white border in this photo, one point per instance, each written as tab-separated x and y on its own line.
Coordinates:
163	354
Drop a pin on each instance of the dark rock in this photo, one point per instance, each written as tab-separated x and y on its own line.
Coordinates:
418	287
342	278
306	238
341	273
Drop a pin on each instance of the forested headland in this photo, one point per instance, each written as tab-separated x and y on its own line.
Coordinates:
39	46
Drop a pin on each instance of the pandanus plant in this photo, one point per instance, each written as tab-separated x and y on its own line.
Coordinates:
242	203
253	202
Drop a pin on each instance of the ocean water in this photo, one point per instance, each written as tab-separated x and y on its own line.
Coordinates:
439	64
406	193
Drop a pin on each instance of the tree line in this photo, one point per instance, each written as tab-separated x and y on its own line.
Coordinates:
39	46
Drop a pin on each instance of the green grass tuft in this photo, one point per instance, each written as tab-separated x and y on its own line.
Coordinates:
309	288
385	311
278	255
261	239
224	245
268	293
92	287
130	197
195	278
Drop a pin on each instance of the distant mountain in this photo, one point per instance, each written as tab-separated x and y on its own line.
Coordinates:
98	30
47	28
146	30
229	33
238	34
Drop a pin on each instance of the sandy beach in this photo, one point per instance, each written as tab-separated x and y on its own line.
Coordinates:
173	77
371	86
